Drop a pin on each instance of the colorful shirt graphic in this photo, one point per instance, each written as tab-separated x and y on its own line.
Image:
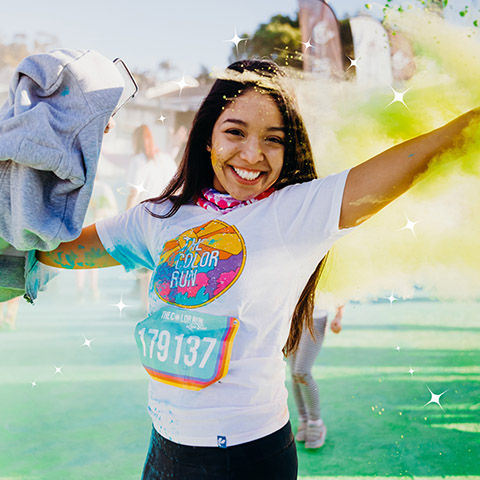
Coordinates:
200	264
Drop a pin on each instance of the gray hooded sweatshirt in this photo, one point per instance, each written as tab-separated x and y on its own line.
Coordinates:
51	131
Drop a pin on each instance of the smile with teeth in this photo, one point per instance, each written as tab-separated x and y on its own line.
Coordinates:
247	174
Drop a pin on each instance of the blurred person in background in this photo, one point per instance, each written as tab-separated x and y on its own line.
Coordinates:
311	428
149	170
148	174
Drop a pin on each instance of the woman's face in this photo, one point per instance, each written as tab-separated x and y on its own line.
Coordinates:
247	146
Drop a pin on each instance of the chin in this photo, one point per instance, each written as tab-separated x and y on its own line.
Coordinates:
245	196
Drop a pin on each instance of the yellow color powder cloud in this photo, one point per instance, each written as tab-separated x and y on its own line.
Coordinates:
348	125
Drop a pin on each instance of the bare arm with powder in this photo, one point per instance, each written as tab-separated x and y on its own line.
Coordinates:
87	251
375	183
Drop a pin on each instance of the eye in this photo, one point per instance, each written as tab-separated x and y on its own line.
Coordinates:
274	139
234	131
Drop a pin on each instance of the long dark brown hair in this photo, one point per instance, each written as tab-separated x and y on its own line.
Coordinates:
196	172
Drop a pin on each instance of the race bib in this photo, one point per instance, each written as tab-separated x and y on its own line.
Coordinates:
186	349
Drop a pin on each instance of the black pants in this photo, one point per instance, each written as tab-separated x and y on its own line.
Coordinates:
273	457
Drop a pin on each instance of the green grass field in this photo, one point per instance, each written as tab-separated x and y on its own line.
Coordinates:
89	421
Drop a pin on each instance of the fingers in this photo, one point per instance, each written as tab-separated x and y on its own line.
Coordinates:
110	125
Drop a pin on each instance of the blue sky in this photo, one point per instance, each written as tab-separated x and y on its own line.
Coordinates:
188	33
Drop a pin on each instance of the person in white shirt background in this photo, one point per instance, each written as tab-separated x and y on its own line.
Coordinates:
148	174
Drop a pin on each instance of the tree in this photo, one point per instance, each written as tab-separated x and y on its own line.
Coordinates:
279	39
11	54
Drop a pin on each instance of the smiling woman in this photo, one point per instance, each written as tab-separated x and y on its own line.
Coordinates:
247	146
236	244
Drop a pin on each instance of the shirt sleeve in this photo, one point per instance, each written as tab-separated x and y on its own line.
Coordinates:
127	237
309	214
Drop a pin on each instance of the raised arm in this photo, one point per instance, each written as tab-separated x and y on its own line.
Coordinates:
86	251
375	183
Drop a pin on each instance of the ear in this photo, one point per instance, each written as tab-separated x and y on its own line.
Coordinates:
209	147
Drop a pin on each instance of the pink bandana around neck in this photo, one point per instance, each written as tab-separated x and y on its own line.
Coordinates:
215	201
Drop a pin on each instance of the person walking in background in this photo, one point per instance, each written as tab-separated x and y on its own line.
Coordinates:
311	428
148	174
150	170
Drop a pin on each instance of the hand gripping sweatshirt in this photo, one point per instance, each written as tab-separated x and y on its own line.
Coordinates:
51	131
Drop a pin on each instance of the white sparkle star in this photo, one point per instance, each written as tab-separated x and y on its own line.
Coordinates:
120	305
398	97
410	226
87	342
307	44
236	39
435	398
353	62
58	370
140	188
397	348
161	118
34	383
182	84
391	298
411	371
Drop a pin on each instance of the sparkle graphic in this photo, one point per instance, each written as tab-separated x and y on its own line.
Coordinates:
353	62
236	39
182	84
87	342
161	118
120	305
307	45
34	383
391	298
398	97
435	398
397	348
58	370
409	226
140	188
411	371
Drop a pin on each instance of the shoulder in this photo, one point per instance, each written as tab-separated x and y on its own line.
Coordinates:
319	186
154	209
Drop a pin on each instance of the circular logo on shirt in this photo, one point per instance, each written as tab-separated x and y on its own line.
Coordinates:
200	264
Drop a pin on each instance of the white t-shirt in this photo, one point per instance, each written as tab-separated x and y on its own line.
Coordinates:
250	264
153	174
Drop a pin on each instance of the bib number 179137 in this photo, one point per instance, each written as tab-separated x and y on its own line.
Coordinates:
186	349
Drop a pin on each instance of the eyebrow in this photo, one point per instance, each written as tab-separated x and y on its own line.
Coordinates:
244	124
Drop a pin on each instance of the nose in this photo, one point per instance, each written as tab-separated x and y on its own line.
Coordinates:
251	151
